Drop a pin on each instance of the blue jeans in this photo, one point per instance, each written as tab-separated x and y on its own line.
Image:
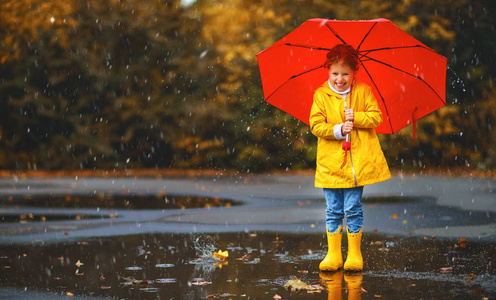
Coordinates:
341	202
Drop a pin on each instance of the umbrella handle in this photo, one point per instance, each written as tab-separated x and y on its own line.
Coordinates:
346	144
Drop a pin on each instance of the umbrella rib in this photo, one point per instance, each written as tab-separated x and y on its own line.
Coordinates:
410	74
294	76
382	98
361	52
335	33
305	46
365	36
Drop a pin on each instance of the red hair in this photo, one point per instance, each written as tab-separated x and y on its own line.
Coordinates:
344	53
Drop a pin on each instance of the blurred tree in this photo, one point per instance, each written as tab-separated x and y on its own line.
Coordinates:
126	84
104	87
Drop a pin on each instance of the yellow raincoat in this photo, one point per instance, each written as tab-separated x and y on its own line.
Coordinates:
366	164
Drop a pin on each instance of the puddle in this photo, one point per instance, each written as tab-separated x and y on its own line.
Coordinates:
116	201
396	199
258	265
29	218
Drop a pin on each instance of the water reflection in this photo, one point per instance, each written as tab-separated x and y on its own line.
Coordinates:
333	282
101	200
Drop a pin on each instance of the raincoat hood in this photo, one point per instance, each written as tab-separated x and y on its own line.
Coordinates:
366	163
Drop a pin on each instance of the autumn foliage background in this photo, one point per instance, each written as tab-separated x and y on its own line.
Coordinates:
122	84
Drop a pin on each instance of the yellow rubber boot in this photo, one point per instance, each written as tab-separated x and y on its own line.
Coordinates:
333	282
354	285
333	261
354	260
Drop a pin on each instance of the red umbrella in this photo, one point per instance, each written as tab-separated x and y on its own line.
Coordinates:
407	77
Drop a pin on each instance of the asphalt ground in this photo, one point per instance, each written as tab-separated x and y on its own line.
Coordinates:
433	206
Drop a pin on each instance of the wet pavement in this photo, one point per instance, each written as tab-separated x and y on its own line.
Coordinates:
271	225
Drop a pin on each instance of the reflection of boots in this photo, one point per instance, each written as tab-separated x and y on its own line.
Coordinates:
354	284
334	259
354	261
333	282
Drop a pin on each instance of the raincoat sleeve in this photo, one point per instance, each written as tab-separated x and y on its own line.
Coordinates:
318	120
370	116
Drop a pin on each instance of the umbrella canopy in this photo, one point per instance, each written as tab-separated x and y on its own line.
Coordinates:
408	78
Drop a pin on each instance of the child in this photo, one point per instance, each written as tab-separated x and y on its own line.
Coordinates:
345	109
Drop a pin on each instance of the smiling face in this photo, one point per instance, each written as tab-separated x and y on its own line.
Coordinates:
341	76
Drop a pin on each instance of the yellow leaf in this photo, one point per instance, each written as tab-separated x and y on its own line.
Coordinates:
298	285
221	255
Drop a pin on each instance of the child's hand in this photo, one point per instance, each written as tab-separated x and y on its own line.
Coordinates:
349	115
346	128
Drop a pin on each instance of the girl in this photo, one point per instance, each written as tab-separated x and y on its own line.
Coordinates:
345	109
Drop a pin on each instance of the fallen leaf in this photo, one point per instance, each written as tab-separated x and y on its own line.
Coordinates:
245	257
135	282
130	278
277	297
405	221
298	285
221	255
470	277
446	270
201	282
141	283
79	263
394	216
69	294
363	291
